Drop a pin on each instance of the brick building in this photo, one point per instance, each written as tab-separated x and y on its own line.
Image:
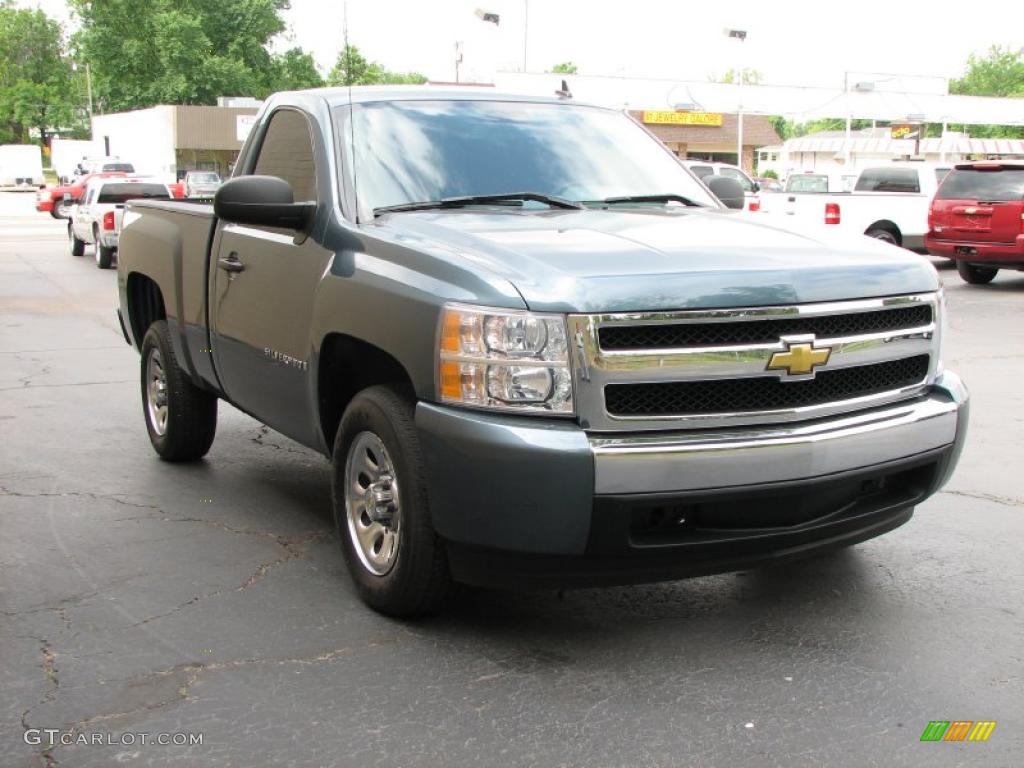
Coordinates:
709	136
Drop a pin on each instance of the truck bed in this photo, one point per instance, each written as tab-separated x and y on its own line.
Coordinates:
171	244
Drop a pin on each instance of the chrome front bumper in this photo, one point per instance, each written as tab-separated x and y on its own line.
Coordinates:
695	460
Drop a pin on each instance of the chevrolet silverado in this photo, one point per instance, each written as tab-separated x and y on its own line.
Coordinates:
534	347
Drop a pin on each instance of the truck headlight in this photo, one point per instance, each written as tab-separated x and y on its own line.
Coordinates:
504	359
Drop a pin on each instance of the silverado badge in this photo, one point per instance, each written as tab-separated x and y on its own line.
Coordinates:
799	358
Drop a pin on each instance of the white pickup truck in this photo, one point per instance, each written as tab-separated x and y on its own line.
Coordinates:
889	202
96	219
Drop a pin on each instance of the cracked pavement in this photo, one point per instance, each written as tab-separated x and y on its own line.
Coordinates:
138	596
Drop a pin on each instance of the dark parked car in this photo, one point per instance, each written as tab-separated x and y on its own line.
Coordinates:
977	219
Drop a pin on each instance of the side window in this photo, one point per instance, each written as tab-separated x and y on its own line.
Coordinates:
287	152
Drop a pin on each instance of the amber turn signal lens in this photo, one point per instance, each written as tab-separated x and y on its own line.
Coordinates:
450	332
451	384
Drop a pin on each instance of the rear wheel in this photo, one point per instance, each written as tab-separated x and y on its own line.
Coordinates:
60	210
77	246
181	418
976	275
381	510
104	256
885	235
54	212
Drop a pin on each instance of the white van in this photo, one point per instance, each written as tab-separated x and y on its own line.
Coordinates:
21	166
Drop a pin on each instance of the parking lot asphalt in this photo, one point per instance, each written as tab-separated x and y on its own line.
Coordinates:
143	597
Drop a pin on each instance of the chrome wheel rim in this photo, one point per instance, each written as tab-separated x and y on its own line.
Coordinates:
372	503
156	393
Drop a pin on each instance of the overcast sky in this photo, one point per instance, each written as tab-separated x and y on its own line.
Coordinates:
794	42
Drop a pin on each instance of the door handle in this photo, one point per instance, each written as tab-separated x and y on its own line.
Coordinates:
231	263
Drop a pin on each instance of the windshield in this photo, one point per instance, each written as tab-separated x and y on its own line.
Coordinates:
203	178
416	151
983	185
120	193
122	167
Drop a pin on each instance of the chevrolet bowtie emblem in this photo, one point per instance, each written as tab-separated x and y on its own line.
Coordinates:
799	359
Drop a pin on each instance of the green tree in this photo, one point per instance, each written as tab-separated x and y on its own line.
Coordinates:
146	52
750	76
36	83
1000	72
352	68
565	68
294	70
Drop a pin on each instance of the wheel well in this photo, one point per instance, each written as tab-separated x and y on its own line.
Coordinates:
887	226
145	305
347	366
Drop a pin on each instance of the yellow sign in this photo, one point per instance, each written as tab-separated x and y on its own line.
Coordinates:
683	118
903	131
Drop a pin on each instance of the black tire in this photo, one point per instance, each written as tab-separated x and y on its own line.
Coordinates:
976	275
418	580
104	256
190	416
60	210
77	246
54	212
885	235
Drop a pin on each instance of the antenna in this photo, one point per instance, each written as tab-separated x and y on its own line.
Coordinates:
351	107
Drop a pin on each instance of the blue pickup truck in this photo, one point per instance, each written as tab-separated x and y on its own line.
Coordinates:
536	349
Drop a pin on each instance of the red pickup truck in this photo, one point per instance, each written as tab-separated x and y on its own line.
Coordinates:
51	199
977	219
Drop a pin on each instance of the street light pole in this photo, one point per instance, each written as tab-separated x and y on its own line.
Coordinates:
741	35
849	119
526	29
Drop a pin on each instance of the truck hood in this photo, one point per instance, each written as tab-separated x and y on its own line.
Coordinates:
662	258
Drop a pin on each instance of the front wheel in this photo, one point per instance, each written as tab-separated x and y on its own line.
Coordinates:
381	510
181	418
976	275
55	211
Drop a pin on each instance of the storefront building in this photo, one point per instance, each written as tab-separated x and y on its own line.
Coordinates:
709	136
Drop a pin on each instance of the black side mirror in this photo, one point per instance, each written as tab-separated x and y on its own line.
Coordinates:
264	201
729	191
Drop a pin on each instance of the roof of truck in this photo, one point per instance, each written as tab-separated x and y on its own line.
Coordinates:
361	94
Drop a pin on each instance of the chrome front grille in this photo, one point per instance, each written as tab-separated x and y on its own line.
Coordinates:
710	368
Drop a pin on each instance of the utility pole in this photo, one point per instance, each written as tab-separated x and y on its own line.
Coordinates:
88	89
458	59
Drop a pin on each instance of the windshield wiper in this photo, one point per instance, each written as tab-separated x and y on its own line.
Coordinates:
462	202
667	198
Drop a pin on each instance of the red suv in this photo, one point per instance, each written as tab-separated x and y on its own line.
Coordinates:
977	219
